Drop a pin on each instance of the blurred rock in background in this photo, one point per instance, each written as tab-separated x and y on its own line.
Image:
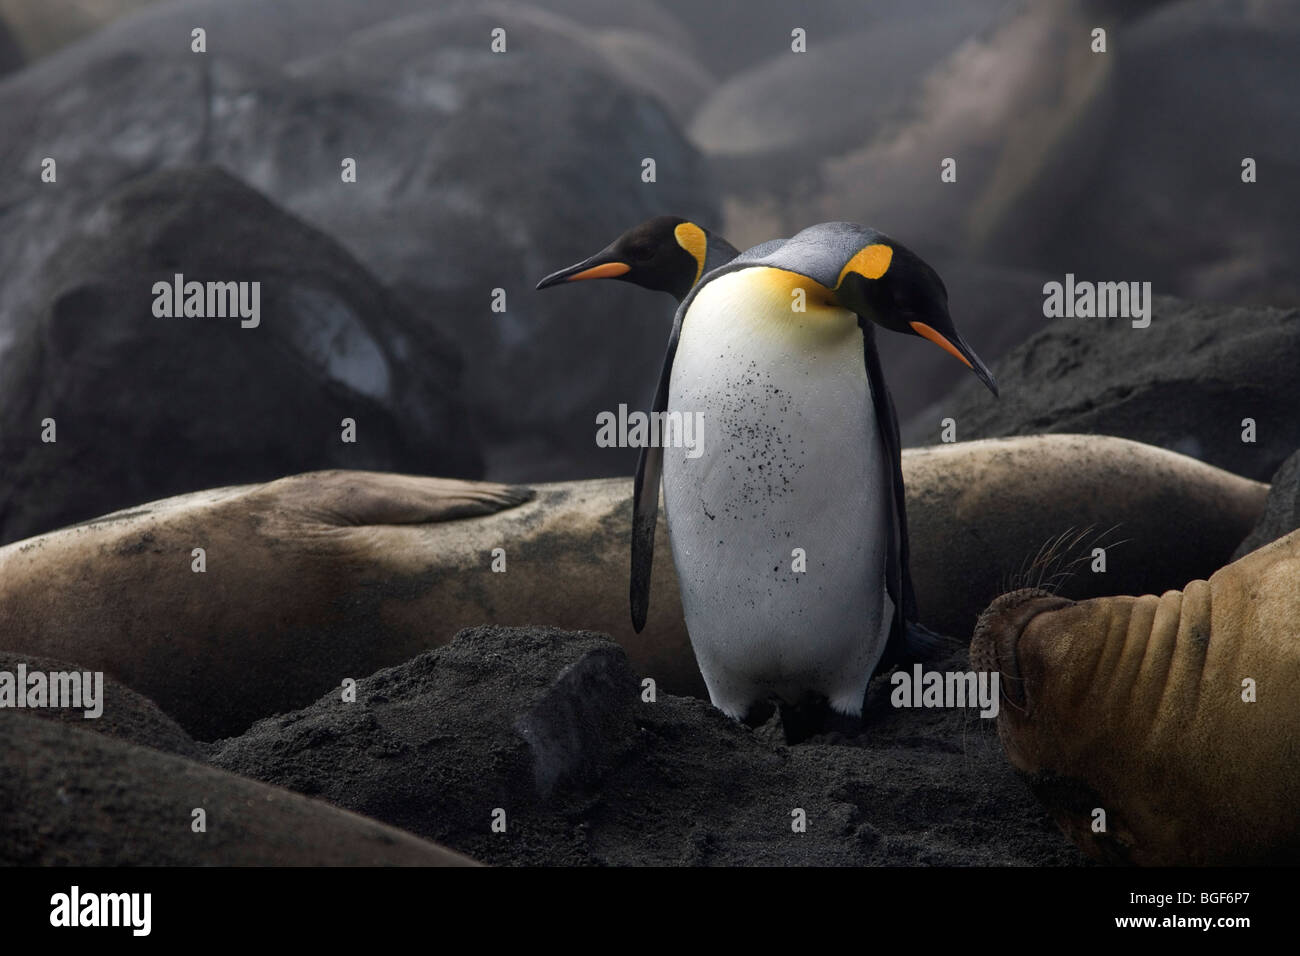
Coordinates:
1198	86
1187	383
42	26
472	176
11	53
148	407
479	171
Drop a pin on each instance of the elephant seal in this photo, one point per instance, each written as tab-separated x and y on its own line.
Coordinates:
1177	715
73	797
124	714
324	576
977	509
319	577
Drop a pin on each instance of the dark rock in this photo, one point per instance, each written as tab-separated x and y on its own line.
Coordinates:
1281	511
432	746
272	34
498	718
446	145
409	54
450	222
42	27
666	72
994	86
756	30
847	86
148	407
11	52
1186	383
573	726
76	798
128	716
1199	86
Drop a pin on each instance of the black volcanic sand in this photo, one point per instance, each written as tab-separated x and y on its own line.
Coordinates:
550	727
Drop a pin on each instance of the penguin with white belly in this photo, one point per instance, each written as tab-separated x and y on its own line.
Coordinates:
787	518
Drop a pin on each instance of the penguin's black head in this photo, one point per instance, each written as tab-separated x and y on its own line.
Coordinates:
666	253
893	287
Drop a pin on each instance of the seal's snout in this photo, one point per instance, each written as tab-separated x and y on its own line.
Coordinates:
997	636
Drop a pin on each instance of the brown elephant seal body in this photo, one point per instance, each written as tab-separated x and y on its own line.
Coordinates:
320	577
1135	705
329	575
979	511
73	797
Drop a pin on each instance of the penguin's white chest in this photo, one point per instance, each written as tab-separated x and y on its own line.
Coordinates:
778	525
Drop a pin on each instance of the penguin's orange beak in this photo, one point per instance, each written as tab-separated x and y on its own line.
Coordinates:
923	330
599	266
952	343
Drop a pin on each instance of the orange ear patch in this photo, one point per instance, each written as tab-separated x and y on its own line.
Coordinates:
692	238
871	262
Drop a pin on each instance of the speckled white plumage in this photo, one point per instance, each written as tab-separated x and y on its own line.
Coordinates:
791	458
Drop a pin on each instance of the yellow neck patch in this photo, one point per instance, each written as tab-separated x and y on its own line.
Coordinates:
795	302
762	303
692	238
781	285
871	261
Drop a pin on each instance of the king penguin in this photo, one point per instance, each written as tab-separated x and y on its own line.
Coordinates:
788	527
666	253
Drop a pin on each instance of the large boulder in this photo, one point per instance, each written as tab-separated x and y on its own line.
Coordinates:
1198	86
548	733
498	718
273	34
847	85
11	52
43	26
147	406
1004	90
447	140
409	53
756	30
450	222
1187	383
76	798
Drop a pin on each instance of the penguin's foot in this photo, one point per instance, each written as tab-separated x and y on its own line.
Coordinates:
759	713
813	715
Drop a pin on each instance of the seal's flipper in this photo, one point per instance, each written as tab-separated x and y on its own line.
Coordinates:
352	498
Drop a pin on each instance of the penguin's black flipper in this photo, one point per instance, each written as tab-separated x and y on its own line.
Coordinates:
898	573
645	495
922	644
